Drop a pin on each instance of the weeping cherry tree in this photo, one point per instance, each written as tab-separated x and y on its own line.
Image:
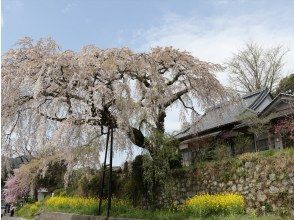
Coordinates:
57	104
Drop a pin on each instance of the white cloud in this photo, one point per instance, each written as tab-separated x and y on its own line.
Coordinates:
172	122
215	39
69	6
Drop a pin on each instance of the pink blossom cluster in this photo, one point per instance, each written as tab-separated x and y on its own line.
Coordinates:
14	190
285	126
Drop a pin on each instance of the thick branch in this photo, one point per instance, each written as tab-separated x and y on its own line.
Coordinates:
176	97
160	121
52	118
175	78
188	107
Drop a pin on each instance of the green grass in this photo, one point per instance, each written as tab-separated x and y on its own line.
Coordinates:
126	210
273	153
250	156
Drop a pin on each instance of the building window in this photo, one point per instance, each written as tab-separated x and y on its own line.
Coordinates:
287	142
262	144
187	156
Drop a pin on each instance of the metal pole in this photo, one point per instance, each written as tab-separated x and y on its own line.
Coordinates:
110	173
103	173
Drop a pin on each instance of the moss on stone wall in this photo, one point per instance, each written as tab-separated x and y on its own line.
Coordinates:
265	179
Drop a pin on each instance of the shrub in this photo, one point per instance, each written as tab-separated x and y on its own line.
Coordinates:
29	210
221	152
219	204
157	174
137	190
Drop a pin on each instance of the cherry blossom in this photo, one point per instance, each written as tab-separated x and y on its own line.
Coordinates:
57	102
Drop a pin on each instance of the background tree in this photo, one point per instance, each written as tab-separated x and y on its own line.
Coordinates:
256	67
56	104
31	177
134	187
14	190
286	85
157	171
53	178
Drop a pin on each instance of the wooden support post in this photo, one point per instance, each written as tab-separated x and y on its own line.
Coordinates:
109	136
110	173
103	174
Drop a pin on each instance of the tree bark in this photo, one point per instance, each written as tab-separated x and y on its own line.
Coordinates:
160	121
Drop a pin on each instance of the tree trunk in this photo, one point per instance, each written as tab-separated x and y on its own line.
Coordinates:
35	193
160	121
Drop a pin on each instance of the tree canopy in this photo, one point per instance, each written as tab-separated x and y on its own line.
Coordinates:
255	67
286	85
57	102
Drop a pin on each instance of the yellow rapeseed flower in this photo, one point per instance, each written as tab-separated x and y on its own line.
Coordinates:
218	203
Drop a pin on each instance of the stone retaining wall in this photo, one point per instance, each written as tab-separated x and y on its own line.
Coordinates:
266	182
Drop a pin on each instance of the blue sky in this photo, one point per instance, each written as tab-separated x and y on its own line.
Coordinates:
116	23
111	23
210	29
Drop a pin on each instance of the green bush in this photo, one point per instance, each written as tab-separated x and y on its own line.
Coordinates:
29	210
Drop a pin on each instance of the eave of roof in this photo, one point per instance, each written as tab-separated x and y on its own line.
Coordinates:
248	95
213	134
214	129
275	101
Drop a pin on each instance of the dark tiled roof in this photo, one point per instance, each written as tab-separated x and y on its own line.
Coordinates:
278	98
225	114
282	97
